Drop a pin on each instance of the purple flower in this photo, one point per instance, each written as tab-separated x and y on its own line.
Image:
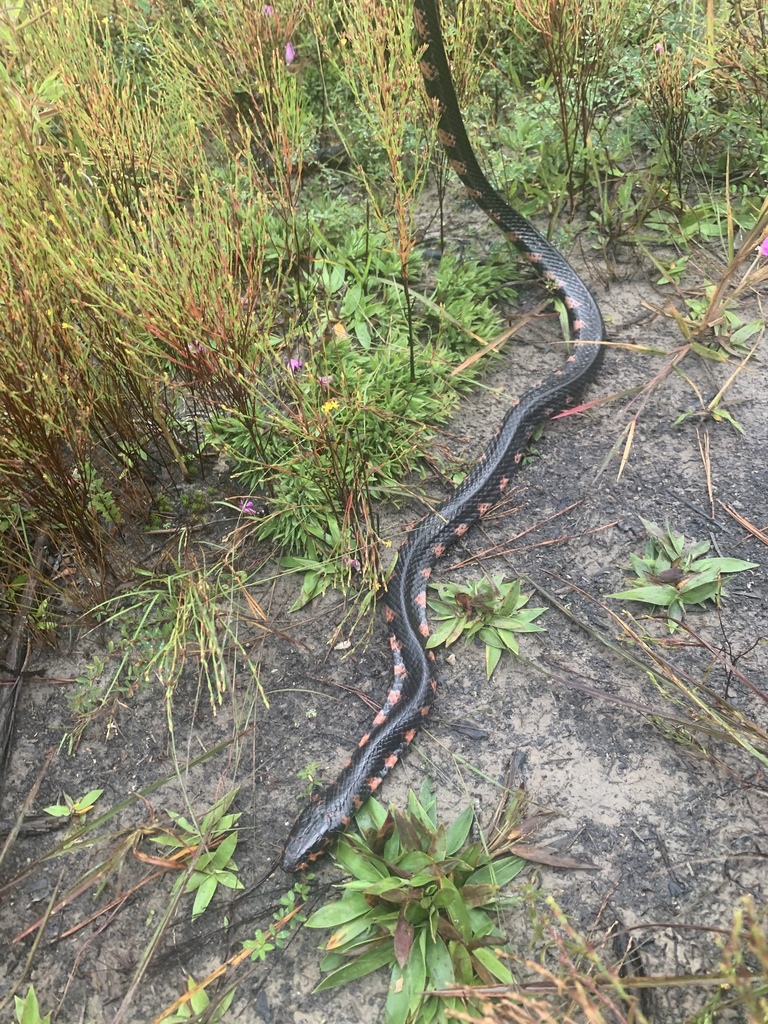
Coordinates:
294	365
324	382
247	507
350	563
268	9
290	53
659	47
763	250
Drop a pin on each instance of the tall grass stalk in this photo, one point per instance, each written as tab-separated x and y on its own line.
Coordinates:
579	39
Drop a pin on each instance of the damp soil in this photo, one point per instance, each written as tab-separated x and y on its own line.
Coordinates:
676	828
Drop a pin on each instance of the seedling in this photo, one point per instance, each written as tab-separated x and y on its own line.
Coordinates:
74	808
673	573
491	609
28	1010
214	867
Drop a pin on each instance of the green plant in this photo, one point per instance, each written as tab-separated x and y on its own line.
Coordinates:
308	776
207	847
74	808
28	1010
167	620
491	609
197	1002
285	921
420	902
673	574
578	38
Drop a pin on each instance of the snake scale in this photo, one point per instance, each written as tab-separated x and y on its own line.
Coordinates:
414	686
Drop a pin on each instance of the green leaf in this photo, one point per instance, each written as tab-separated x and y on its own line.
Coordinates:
360	966
356	864
438	963
491	962
652	594
334	914
223	853
509	640
490	637
350	934
457	832
397	1007
417	971
448	632
500	872
204	895
229	880
725	565
372	814
747	331
58	810
28	1009
457	911
88	800
492	656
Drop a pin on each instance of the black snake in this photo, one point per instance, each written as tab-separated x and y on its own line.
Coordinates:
414	686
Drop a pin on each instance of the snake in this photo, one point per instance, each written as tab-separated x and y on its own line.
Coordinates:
415	683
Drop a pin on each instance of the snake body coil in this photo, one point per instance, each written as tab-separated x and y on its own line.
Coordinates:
414	686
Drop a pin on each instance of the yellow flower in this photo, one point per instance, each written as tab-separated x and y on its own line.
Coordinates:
331	404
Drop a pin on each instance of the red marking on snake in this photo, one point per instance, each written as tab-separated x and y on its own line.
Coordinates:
446	138
431	656
389	615
425	711
459	167
578	325
424	629
391	761
374	783
519	458
380	718
438	550
461	529
421	599
483	507
394	695
571	303
400	671
426	573
433	682
395	644
421	25
357	801
429	71
364	740
408	737
503	483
